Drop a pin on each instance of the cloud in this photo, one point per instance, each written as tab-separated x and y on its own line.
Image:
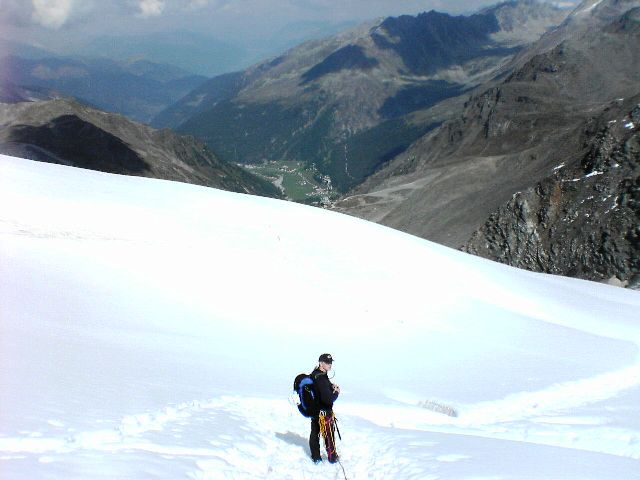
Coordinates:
198	3
13	12
52	13
151	8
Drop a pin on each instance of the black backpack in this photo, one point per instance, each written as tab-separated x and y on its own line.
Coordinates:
308	403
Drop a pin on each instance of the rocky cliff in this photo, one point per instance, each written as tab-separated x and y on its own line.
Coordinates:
584	219
512	134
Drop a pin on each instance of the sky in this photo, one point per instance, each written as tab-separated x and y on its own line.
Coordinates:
152	330
64	24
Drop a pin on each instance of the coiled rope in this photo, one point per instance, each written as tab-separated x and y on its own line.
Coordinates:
328	433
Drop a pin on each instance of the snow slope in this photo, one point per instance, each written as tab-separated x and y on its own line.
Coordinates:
151	329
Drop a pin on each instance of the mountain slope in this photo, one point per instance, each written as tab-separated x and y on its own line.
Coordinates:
583	220
10	93
191	52
512	135
66	132
138	89
324	101
136	314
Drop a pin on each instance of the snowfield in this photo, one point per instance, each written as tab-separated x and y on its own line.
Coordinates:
151	329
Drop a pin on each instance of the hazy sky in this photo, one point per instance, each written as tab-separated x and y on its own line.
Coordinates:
62	25
222	18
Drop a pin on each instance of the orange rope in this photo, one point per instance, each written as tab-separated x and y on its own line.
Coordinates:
327	432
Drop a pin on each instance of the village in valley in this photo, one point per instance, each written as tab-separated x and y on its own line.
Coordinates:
297	181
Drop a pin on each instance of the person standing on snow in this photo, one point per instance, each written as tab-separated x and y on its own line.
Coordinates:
324	423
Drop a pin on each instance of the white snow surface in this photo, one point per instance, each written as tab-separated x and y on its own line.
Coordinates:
151	329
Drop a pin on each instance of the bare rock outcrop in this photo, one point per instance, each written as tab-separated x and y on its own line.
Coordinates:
584	220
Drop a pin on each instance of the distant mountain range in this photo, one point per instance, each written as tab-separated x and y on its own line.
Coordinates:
197	54
65	132
539	170
351	102
138	89
10	93
512	133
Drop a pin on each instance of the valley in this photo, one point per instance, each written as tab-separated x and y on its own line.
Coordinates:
448	127
447	201
296	181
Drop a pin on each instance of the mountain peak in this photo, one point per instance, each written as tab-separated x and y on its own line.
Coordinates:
524	21
600	12
340	103
516	134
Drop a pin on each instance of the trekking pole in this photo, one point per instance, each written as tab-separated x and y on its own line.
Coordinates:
335	422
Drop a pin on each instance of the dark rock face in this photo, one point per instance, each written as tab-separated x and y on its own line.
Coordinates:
81	144
433	40
66	132
584	220
419	96
350	57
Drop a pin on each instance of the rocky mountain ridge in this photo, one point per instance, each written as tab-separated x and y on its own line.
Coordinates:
512	136
11	93
348	103
584	219
66	132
